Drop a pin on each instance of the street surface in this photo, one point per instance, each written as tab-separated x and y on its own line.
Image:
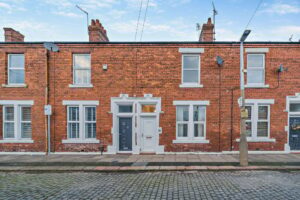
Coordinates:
252	185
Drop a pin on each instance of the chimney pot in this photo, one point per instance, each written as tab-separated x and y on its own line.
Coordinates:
11	35
207	32
97	33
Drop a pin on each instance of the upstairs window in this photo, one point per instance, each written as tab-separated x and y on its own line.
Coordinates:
190	69
81	69
16	69
256	69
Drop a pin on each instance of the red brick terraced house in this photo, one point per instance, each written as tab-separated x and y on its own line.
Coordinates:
147	97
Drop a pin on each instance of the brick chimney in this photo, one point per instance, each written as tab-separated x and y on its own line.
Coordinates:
11	35
96	32
207	32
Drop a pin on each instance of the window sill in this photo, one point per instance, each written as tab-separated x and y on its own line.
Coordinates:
257	86
80	86
191	86
195	141
259	140
16	141
78	141
14	85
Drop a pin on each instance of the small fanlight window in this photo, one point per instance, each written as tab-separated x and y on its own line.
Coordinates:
149	108
125	108
295	107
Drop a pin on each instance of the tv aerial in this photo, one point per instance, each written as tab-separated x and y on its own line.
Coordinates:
51	46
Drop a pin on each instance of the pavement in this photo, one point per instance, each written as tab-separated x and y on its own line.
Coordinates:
275	185
171	162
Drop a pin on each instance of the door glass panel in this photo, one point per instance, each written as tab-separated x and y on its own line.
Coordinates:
295	107
151	108
125	108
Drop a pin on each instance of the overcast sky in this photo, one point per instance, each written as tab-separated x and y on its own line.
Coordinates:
167	20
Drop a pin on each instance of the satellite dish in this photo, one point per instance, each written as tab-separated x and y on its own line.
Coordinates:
220	61
51	46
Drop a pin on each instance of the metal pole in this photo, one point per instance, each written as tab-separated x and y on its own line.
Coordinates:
48	135
243	139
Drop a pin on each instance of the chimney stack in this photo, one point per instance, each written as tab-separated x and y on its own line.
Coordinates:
11	35
207	32
97	33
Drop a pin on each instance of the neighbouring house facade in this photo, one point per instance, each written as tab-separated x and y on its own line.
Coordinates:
147	97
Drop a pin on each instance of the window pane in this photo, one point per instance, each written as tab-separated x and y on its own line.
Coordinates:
90	114
248	108
262	129
73	130
148	108
255	76
182	113
9	130
199	113
16	76
191	62
82	61
198	130
248	129
295	107
125	109
262	112
190	76
16	61
90	130
73	113
255	60
26	113
82	77
9	113
182	130
25	130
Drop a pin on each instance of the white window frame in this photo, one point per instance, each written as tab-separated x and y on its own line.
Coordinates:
14	68
191	52
191	138
17	105
83	85
258	85
255	103
81	105
85	122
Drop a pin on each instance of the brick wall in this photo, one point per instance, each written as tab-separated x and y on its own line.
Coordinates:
156	69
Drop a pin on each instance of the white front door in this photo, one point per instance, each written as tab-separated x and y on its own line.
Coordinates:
149	133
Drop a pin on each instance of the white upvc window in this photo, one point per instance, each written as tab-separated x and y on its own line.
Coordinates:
191	121
256	70
81	121
258	120
16	69
17	121
190	69
81	69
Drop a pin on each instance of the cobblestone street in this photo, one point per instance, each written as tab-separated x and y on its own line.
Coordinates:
152	185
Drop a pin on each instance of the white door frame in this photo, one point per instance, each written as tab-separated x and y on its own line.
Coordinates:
289	100
136	102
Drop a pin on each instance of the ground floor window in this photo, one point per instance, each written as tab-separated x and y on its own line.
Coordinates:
190	120
17	121
258	120
81	120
